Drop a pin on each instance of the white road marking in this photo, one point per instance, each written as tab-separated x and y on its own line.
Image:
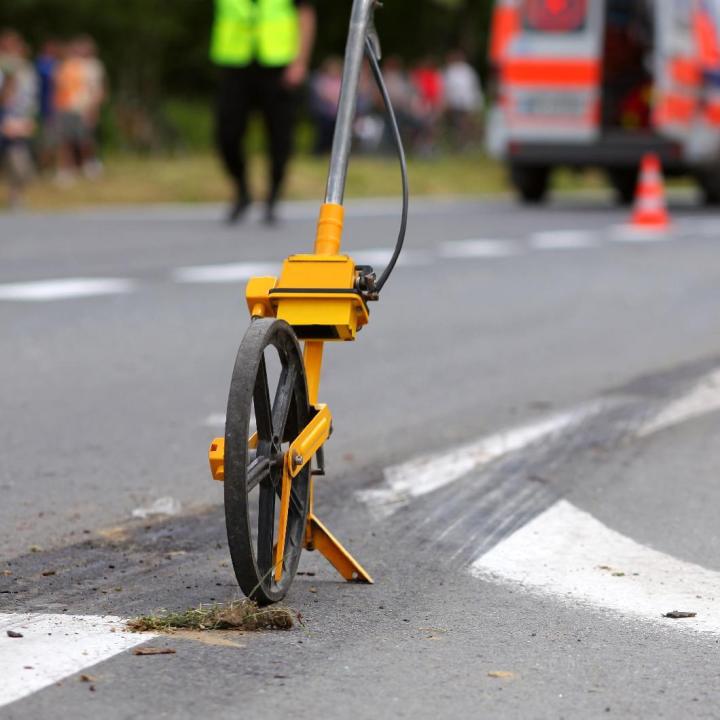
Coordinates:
567	553
225	273
632	234
217	420
703	399
380	257
54	647
425	474
478	248
563	240
167	506
64	289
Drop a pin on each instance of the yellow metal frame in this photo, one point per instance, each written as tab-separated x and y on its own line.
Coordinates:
316	295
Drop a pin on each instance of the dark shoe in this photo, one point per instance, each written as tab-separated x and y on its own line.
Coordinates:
237	211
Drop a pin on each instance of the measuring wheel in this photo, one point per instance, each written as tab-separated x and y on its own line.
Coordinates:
267	409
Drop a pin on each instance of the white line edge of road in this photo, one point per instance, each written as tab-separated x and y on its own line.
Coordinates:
53	647
568	554
64	289
420	476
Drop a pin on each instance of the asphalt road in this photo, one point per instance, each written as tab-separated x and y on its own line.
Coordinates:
552	370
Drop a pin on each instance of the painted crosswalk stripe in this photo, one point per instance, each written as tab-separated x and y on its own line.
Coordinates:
224	273
52	647
479	248
64	289
570	555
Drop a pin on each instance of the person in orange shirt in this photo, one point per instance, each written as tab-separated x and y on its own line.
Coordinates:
79	93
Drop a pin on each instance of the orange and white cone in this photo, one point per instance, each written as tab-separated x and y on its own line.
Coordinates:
650	211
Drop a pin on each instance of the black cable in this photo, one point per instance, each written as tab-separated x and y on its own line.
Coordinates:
375	67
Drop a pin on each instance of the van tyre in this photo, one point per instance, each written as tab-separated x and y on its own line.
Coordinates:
709	182
624	182
531	182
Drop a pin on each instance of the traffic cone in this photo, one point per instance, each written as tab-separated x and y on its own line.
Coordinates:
650	211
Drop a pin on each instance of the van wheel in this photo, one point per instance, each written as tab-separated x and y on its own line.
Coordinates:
709	182
624	182
531	182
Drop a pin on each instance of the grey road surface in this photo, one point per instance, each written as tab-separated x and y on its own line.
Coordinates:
498	318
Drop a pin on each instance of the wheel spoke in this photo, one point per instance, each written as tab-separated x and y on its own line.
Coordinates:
283	399
261	397
258	471
266	527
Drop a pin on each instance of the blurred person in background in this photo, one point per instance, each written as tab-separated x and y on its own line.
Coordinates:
369	126
79	94
325	87
46	65
463	99
18	108
428	82
263	50
405	101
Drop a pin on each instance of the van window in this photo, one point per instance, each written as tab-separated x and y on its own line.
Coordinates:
554	16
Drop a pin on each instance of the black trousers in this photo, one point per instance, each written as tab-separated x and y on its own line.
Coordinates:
242	91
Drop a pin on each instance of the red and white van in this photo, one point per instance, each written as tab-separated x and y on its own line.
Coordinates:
598	83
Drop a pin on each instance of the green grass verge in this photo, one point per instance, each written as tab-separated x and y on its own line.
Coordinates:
199	178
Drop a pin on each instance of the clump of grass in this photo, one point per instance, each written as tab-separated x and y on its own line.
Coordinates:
238	615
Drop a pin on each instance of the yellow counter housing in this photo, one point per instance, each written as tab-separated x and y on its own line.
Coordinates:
316	295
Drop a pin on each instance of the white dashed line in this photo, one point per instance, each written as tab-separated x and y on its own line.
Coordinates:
479	248
226	273
240	272
568	554
52	647
563	240
214	420
380	257
64	289
631	234
423	475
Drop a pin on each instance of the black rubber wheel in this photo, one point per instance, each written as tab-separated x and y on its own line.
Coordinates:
709	181
624	181
268	390
531	182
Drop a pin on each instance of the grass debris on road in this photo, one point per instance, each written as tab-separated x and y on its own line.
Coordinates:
237	615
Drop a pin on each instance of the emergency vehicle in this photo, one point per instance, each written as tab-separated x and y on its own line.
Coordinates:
599	83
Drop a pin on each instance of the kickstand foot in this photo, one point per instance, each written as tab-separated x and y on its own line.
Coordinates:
318	537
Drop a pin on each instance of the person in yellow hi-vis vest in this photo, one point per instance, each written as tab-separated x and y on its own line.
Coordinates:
263	49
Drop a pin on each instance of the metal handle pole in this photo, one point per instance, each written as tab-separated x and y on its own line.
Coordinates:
360	19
